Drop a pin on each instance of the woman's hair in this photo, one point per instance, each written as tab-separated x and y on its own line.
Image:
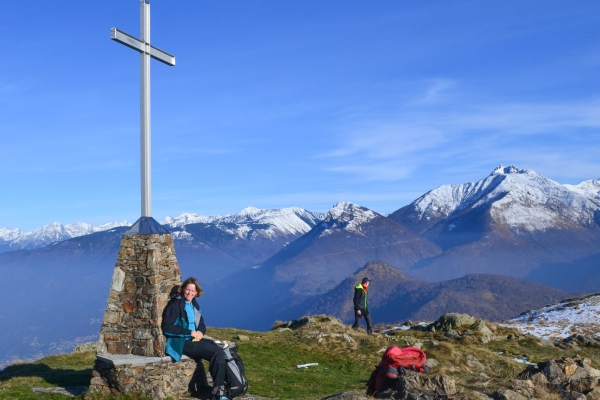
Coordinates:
193	281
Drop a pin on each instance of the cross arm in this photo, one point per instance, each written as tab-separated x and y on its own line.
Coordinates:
136	44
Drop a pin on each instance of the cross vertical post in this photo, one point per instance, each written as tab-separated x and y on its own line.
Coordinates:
147	51
146	186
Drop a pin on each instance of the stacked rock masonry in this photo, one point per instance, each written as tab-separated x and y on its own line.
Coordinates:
130	357
145	273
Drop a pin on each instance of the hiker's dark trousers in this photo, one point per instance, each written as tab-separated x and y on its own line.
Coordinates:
357	316
207	350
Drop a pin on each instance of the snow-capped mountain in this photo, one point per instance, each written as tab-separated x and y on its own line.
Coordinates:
349	236
252	221
7	234
572	316
14	239
347	216
590	189
188	218
521	199
514	222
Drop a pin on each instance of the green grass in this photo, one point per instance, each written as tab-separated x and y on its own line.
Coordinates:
271	357
17	380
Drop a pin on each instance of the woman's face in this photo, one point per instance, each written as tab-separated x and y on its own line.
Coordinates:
189	291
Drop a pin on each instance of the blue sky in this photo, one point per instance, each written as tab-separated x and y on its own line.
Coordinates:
281	103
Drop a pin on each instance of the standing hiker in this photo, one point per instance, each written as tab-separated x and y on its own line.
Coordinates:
361	307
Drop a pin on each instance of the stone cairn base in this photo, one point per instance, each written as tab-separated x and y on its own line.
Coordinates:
154	377
130	357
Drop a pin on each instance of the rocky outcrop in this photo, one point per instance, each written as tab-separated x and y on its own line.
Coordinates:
576	342
456	326
413	385
571	378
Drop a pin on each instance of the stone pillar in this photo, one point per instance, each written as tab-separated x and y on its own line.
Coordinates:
145	273
130	358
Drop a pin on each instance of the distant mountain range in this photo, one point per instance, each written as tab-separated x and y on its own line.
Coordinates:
457	247
15	239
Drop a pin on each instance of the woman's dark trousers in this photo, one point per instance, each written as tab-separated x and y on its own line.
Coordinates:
207	350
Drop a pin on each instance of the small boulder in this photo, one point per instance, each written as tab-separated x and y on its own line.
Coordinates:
474	363
453	320
568	395
553	372
583	385
243	338
539	379
507	394
414	385
594	394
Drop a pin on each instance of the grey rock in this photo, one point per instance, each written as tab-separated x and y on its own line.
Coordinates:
482	328
413	385
553	372
432	362
453	320
452	334
568	395
474	363
583	385
479	396
539	379
70	391
594	394
507	394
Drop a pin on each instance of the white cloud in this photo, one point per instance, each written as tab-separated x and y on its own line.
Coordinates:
554	137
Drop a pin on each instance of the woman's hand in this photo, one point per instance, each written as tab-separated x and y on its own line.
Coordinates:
197	335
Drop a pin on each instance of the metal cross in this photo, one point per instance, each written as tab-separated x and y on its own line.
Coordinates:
146	51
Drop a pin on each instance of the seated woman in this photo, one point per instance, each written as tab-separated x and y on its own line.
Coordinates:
183	325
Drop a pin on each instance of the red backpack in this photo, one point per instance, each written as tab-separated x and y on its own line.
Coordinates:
394	362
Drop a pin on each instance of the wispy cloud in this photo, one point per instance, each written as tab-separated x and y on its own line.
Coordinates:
434	91
562	134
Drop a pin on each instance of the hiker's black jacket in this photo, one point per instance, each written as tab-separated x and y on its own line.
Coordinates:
175	325
174	311
360	298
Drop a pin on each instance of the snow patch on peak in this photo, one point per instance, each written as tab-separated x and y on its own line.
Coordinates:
10	233
248	211
110	225
188	218
347	216
589	189
511	169
182	236
344	206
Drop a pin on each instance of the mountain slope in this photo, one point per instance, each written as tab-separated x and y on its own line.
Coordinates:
572	316
511	223
394	297
349	236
